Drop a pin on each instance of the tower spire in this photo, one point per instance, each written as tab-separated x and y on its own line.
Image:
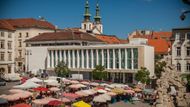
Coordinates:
87	13
97	18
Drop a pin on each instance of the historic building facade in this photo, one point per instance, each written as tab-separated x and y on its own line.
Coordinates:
7	48
181	49
26	28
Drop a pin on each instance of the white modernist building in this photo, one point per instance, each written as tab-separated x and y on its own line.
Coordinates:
181	49
82	55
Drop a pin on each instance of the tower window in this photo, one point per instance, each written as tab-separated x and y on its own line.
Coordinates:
84	26
90	26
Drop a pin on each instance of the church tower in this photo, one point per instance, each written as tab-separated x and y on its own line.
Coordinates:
87	25
98	27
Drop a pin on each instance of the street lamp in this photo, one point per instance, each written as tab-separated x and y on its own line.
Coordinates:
27	53
183	15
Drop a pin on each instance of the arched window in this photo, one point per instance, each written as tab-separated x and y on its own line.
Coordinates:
188	67
85	26
89	26
178	67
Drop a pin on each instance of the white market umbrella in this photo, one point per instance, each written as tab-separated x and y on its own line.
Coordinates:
27	85
102	91
34	79
99	99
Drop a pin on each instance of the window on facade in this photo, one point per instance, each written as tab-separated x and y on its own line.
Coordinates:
19	64
135	59
95	57
105	57
123	58
9	69
27	35
2	44
116	58
84	53
75	55
178	51
188	67
20	35
10	56
2	34
19	43
188	51
89	58
20	53
129	56
9	35
80	58
2	56
9	43
100	56
111	58
178	67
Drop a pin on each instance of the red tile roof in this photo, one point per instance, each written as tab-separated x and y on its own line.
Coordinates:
29	22
65	35
5	25
124	41
161	46
154	35
110	39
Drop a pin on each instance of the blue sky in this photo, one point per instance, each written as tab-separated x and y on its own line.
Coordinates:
119	17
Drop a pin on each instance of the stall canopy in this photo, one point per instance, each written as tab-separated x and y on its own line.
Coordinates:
27	85
34	79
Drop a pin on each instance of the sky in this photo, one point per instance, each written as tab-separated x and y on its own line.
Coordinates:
119	17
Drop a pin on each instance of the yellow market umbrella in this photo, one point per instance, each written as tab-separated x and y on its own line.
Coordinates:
81	104
118	90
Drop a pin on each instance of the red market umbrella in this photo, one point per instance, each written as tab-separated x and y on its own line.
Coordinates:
71	95
55	103
40	89
21	105
23	80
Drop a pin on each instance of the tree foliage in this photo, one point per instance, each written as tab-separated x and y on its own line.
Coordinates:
159	68
62	69
99	73
142	75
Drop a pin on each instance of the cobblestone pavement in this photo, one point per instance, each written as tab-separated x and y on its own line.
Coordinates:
123	104
4	89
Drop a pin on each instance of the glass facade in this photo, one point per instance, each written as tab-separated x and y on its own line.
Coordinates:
105	58
117	58
100	56
75	56
84	52
122	58
111	58
135	59
129	57
95	57
89	58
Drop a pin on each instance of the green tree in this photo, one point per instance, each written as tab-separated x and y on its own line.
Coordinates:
99	73
142	75
62	69
159	68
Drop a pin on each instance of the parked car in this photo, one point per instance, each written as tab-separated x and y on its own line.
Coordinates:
2	82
